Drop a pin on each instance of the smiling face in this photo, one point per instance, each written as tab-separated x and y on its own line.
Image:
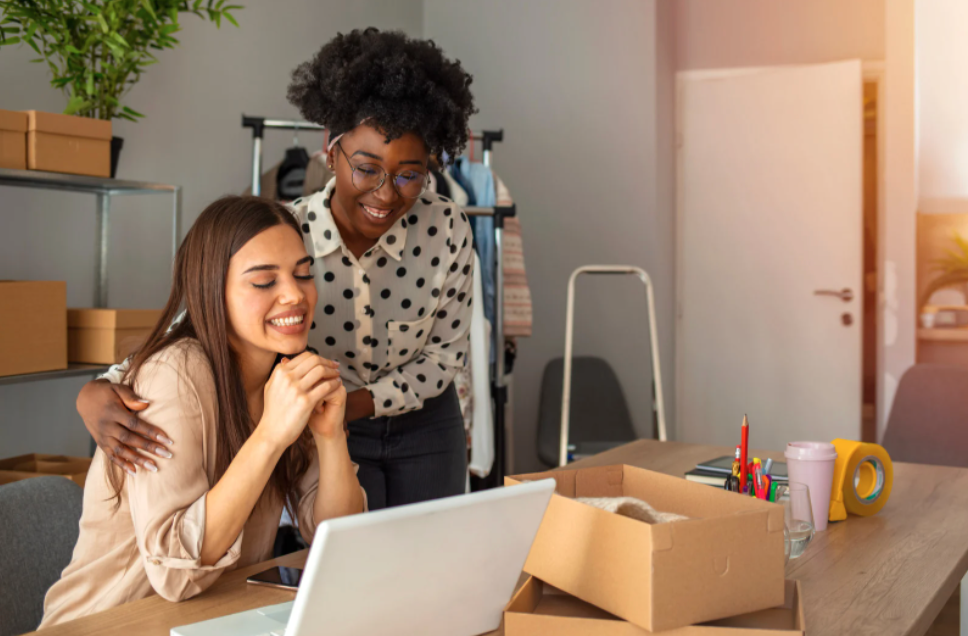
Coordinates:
270	295
363	217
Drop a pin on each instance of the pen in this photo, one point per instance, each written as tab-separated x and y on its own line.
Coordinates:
744	450
768	467
758	482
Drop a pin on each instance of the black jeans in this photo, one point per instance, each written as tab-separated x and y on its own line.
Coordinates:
412	457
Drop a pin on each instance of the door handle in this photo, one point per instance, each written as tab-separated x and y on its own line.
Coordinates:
844	294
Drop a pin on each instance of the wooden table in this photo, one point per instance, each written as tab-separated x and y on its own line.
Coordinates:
885	575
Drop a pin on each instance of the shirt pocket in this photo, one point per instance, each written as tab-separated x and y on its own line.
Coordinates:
407	339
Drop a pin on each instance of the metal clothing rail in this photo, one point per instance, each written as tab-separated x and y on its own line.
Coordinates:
500	213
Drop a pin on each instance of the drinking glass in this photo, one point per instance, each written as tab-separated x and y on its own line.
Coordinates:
798	518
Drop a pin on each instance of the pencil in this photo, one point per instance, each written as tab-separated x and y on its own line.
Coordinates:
744	449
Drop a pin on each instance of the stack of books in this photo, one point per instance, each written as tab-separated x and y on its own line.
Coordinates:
715	472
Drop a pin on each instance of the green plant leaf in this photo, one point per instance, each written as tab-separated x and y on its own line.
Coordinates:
147	6
76	103
132	112
228	16
104	24
9	41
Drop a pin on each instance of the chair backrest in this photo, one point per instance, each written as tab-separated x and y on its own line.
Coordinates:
38	529
599	412
929	419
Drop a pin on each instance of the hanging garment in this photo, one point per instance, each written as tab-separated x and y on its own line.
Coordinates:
440	185
482	420
457	193
317	174
517	294
458	178
481	182
291	175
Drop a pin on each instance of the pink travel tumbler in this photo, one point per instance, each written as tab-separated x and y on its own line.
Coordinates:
812	463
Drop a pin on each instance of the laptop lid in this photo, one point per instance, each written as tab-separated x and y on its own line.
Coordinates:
447	566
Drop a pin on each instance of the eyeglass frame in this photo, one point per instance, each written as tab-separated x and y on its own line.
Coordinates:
383	179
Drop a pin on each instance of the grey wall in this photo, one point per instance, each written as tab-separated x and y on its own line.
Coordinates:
191	136
574	85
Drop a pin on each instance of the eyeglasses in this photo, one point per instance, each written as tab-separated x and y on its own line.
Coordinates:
369	177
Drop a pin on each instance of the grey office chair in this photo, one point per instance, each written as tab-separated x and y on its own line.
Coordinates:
38	529
600	417
929	418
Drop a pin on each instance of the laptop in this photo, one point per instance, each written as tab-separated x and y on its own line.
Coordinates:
447	566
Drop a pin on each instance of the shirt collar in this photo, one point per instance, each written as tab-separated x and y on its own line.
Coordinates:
326	236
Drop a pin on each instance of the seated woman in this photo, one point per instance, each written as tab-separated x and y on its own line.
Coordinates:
253	436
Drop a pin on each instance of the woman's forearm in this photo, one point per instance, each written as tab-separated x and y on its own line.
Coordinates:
230	502
338	493
359	404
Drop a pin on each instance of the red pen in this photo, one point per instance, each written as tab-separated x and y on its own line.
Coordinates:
758	482
744	449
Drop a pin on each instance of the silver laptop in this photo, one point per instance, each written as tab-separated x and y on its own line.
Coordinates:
447	566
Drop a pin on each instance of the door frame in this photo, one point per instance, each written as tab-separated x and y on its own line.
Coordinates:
871	71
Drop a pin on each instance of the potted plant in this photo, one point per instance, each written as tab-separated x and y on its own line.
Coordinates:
97	50
954	268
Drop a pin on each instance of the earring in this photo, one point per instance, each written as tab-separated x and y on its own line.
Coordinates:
330	166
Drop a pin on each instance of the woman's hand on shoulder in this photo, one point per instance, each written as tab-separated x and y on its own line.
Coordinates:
294	389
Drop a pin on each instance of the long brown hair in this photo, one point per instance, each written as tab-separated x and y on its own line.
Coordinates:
198	288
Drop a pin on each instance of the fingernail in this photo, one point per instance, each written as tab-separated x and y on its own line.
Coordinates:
164	453
164	440
144	401
150	466
129	471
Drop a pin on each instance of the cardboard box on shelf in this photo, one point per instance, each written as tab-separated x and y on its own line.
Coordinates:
541	609
63	143
40	465
727	559
13	140
107	336
33	326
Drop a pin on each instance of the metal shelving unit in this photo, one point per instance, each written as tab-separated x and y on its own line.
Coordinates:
103	189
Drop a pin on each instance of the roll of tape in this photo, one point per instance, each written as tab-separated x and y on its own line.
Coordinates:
863	476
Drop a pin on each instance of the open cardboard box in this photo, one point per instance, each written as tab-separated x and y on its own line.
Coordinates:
541	610
726	560
40	465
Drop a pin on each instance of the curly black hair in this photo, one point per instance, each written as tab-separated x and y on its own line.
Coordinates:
398	84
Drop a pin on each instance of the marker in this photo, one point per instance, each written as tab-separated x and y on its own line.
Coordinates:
768	467
744	450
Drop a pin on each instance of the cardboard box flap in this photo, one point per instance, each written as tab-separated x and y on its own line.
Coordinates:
605	481
13	121
564	481
68	125
112	318
540	608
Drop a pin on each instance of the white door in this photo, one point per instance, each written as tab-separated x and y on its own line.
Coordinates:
769	212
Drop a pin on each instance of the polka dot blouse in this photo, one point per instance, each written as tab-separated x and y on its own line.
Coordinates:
397	319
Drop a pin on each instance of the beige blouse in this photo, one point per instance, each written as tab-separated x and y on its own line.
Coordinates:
152	543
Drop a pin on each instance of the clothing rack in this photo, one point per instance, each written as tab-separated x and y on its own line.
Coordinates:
498	382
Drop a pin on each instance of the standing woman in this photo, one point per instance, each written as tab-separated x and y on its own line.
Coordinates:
393	267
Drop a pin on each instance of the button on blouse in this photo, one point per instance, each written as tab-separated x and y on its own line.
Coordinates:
397	318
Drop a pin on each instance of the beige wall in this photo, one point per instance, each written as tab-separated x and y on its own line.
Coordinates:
942	84
193	99
737	33
731	33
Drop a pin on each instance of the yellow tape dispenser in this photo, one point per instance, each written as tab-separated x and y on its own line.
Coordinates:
863	476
